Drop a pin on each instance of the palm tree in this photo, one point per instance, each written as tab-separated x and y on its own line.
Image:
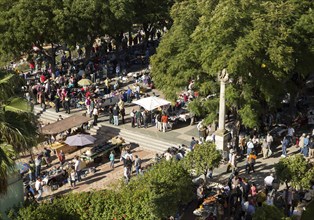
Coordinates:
18	125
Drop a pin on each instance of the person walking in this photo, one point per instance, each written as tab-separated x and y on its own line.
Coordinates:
111	159
137	165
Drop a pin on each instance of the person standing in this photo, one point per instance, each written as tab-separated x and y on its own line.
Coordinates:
290	134
122	113
111	159
285	143
250	147
306	146
193	143
201	130
72	178
164	121
137	164
268	181
138	116
31	170
47	155
269	140
129	94
110	114
251	159
61	157
145	118
127	168
57	102
265	148
88	105
39	188
132	115
77	168
67	105
95	115
301	143
115	113
38	160
311	148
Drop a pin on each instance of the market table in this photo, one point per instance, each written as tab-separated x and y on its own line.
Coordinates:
57	146
97	152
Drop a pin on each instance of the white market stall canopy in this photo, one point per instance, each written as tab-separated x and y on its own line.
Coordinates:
151	103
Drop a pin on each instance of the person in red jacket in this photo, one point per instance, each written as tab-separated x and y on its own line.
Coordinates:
164	121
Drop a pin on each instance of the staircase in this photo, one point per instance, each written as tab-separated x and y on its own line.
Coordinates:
105	131
49	115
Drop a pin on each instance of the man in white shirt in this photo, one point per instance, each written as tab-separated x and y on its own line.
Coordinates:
268	181
95	114
250	146
39	188
77	168
269	140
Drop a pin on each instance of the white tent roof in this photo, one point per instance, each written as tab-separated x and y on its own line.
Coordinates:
151	103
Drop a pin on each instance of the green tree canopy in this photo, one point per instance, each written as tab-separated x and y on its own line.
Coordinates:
203	158
295	171
155	195
264	46
18	127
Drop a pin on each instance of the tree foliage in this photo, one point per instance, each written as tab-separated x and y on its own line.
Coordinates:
296	171
155	195
203	158
266	211
264	45
18	127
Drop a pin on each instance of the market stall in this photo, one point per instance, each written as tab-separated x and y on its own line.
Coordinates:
97	153
57	146
65	124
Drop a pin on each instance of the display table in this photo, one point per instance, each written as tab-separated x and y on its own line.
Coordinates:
57	146
98	152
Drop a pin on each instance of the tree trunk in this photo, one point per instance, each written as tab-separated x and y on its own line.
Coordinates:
88	51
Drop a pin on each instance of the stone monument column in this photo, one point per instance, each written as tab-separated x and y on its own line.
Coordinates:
221	135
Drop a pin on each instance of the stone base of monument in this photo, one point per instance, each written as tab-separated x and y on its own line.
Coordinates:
221	140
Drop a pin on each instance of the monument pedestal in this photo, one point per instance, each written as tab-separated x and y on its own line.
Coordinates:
221	140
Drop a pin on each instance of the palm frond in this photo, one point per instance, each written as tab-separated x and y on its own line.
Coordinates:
6	163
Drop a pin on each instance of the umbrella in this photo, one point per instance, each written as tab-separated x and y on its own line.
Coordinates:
80	140
23	167
152	102
85	82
